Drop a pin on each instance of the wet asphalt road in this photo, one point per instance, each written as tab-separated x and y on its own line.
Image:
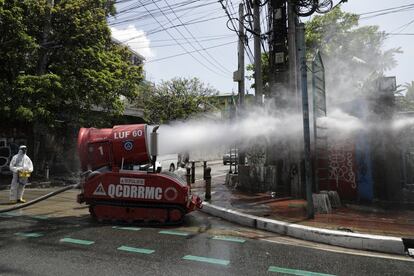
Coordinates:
57	237
164	253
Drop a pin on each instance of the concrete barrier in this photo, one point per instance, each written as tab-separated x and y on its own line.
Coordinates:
230	215
377	243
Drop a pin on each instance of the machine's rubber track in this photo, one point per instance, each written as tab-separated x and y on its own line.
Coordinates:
130	207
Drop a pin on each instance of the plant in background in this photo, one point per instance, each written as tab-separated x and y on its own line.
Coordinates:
70	75
176	99
352	55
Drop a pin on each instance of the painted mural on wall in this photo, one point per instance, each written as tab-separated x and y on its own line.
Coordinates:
8	148
342	175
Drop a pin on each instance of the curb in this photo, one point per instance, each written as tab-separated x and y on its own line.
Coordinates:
385	244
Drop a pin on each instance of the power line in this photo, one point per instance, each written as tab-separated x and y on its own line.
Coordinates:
190	53
395	10
199	44
139	5
133	6
174	44
403	27
212	37
388	9
402	34
230	19
157	30
249	12
193	14
190	22
182	54
157	12
248	6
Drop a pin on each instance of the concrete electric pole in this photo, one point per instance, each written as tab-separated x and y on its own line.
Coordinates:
240	70
258	78
241	74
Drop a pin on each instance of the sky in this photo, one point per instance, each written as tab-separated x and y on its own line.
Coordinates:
204	46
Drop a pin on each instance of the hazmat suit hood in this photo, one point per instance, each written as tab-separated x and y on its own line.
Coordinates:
22	150
21	154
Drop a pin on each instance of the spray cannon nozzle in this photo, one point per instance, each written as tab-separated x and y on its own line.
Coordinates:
154	130
154	141
154	145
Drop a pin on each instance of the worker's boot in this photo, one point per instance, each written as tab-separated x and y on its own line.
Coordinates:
21	200
12	201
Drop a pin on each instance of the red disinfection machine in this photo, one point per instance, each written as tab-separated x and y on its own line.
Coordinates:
116	185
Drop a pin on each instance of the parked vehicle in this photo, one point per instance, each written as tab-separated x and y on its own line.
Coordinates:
168	162
231	157
149	167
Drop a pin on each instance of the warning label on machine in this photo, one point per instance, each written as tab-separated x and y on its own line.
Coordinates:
100	190
132	181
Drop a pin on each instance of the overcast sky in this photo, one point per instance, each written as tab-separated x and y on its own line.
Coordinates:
206	48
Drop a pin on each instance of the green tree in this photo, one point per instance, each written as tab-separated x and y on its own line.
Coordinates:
176	99
405	101
409	90
353	55
265	71
83	69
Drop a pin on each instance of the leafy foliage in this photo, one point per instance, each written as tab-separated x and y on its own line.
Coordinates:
176	99
265	71
409	87
337	34
405	101
353	55
65	75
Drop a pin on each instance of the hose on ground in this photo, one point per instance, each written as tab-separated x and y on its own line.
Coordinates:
46	196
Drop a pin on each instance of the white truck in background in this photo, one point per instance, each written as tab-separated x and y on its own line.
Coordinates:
168	162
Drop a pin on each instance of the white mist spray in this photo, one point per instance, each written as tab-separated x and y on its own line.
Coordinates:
260	125
204	134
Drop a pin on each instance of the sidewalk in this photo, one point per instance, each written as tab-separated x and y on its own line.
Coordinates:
349	221
39	183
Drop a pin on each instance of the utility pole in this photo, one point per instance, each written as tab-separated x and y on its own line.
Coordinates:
277	155
241	72
305	110
294	104
241	56
278	52
293	79
258	78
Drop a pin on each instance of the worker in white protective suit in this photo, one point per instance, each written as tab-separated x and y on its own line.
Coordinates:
21	166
